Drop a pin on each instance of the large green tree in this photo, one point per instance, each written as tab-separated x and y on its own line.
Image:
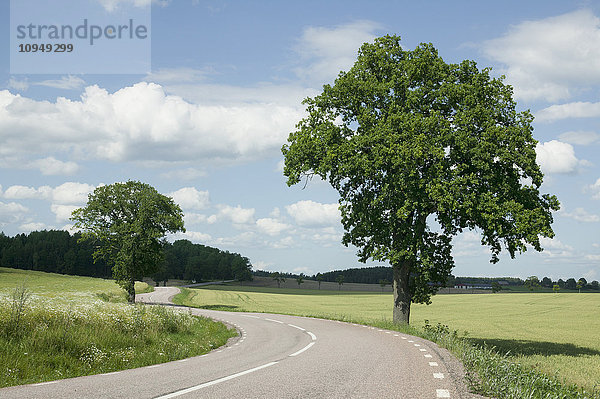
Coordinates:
420	150
128	223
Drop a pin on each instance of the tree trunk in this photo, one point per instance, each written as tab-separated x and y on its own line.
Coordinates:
402	294
130	291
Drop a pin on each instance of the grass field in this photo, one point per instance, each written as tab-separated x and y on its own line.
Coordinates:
71	326
558	334
60	287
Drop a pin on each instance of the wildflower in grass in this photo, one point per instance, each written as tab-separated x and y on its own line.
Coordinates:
92	356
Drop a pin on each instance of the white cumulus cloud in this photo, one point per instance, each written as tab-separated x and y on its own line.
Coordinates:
551	58
63	212
554	248
580	137
579	109
51	166
314	214
142	123
237	214
194	236
33	226
328	50
11	212
24	192
190	198
271	226
72	193
595	189
67	193
556	157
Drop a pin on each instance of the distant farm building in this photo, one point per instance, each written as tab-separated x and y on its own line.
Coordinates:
473	286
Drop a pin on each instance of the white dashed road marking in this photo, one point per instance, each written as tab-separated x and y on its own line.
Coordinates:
303	349
299	328
45	383
442	393
275	321
438	375
433	364
208	384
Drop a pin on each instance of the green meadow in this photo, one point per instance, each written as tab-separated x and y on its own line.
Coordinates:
557	334
54	326
60	287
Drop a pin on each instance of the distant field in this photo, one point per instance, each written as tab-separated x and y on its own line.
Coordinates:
558	334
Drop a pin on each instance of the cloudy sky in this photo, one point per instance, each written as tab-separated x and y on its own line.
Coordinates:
205	125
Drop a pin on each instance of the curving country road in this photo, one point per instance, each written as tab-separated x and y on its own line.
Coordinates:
279	356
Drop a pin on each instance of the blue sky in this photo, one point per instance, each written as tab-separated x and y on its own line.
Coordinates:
206	123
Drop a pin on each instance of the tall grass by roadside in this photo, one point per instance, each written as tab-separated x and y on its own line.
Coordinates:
494	374
41	340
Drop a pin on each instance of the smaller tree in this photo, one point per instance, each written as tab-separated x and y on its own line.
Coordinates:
300	279
532	282
581	283
383	283
128	222
561	283
340	281
278	278
556	288
319	279
496	287
595	285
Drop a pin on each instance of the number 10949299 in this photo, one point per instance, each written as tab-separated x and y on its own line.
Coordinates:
45	48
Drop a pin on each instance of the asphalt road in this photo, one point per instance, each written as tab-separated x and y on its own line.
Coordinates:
279	356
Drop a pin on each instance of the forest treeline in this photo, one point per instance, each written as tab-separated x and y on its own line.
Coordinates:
379	274
58	251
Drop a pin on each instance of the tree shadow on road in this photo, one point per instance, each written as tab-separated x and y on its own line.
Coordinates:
528	348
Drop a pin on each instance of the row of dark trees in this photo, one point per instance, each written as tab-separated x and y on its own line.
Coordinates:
363	275
57	251
375	275
379	274
452	280
188	261
569	284
53	251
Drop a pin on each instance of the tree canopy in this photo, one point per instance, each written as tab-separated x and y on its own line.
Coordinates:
420	150
128	222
